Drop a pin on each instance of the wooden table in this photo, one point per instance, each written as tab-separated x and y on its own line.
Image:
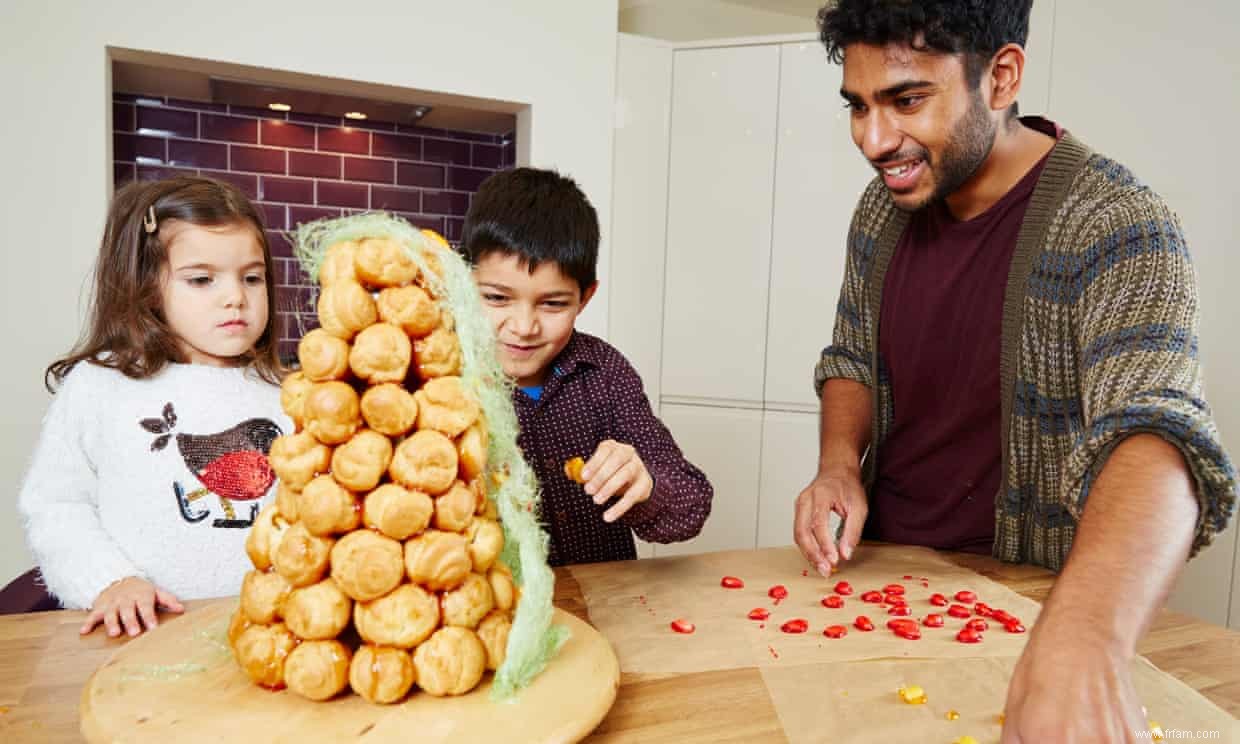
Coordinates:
44	665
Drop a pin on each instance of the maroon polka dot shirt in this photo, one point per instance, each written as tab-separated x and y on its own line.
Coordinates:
593	394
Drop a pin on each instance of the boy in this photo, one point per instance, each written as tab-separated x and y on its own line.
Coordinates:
532	238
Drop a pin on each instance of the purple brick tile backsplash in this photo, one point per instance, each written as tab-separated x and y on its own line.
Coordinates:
315	164
302	167
420	174
163	122
287	134
445	151
467	179
229	129
247	182
122	117
189	153
395	199
397	146
130	147
122	173
486	156
445	202
257	159
275	216
344	139
343	194
298	215
287	190
369	169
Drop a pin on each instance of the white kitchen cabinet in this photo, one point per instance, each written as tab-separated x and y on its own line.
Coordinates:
819	174
639	204
789	461
719	222
724	443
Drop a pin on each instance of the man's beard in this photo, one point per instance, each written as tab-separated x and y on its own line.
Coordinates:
967	148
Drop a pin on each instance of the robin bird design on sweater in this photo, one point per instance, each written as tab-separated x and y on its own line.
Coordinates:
230	464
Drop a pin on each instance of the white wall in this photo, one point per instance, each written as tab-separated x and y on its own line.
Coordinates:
558	56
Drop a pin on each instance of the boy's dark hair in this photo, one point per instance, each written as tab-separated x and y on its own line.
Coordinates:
975	28
537	215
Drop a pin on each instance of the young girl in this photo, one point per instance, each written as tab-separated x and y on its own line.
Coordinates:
152	459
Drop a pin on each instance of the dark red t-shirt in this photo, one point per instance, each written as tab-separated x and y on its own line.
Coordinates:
939	334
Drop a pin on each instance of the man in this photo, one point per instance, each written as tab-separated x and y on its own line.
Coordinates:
1016	347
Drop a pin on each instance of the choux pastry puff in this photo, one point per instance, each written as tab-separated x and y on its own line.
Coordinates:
381	674
381	353
265	536
379	262
403	619
302	557
426	461
263	596
493	632
438	354
333	412
297	458
359	463
337	264
318	670
318	612
397	512
326	508
323	357
389	409
409	308
443	405
437	560
454	510
261	651
450	662
292	396
346	308
367	565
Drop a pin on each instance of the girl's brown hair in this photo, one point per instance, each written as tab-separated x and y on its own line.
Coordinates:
126	329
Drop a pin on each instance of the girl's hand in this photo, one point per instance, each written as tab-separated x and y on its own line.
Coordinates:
124	601
615	468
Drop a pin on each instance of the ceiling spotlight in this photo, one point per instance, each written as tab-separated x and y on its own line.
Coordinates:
279	107
420	111
354	115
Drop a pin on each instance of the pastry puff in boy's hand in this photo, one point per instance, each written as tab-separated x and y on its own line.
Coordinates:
572	470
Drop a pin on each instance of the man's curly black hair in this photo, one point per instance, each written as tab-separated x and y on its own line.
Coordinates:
975	28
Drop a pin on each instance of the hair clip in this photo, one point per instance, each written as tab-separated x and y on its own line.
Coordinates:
149	223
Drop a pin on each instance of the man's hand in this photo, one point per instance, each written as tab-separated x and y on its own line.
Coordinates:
1071	685
615	468
124	602
834	491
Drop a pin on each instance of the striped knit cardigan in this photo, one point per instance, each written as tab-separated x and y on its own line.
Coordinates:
1099	341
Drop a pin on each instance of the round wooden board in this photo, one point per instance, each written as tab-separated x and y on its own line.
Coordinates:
180	683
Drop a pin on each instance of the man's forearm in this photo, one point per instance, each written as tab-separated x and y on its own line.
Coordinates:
1132	542
845	429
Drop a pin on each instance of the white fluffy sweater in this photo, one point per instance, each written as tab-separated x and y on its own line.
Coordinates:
155	478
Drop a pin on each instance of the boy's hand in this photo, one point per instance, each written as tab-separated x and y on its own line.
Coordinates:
124	601
615	468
